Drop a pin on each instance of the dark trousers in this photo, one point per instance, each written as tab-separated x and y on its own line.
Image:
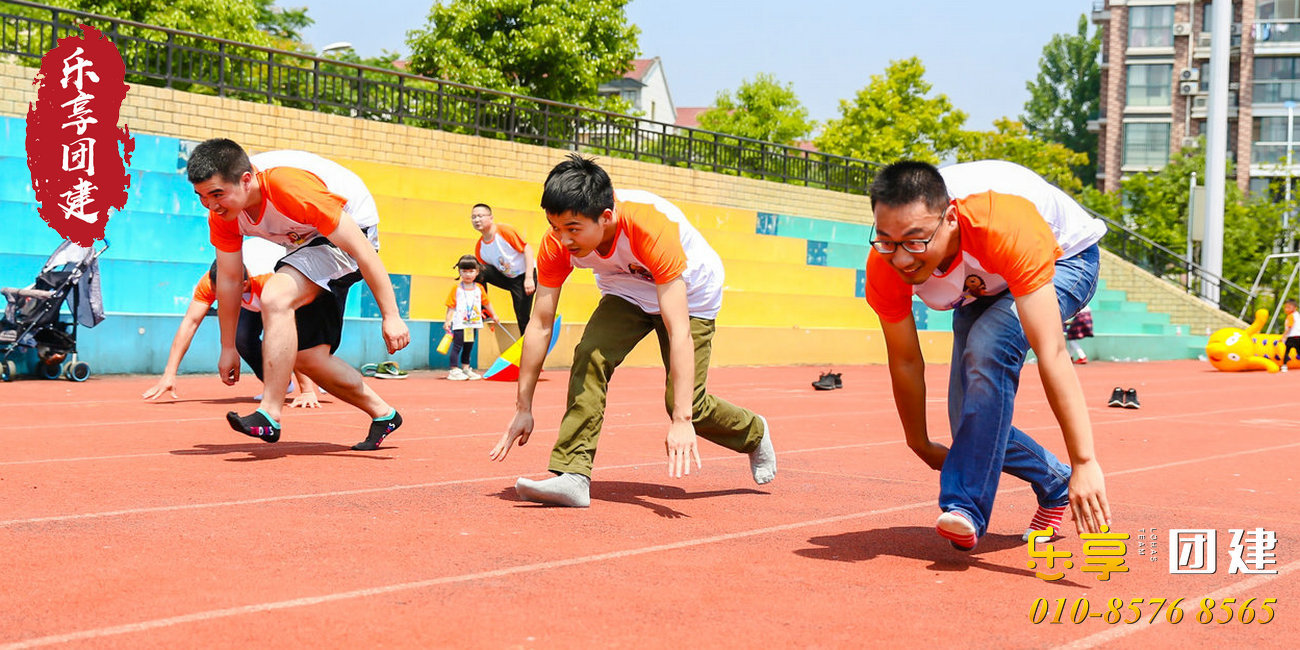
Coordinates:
459	348
248	339
523	301
1292	344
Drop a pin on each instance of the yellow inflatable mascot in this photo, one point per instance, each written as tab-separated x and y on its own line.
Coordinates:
1232	349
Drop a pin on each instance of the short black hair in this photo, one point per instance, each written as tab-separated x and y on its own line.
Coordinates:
217	157
580	186
484	206
1290	301
908	181
212	274
467	262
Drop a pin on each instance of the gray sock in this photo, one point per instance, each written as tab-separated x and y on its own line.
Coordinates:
572	490
762	461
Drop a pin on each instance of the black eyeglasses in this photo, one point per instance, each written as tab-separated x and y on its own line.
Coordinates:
914	246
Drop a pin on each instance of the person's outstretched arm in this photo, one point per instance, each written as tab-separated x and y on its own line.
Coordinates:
1040	314
532	354
349	238
180	345
907	376
681	444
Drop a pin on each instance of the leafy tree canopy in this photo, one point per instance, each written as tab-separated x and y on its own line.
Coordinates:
893	118
1066	94
560	50
1011	141
762	109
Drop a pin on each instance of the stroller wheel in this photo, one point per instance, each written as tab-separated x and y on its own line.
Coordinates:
48	370
7	371
78	371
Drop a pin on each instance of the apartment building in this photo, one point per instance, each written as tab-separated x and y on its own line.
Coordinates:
1155	86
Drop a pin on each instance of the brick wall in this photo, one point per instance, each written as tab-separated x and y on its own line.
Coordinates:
1163	297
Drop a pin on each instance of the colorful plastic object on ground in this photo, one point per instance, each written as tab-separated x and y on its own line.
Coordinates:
1232	349
506	367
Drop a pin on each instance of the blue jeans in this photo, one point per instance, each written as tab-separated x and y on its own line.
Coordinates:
988	352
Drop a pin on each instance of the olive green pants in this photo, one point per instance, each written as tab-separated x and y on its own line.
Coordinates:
615	327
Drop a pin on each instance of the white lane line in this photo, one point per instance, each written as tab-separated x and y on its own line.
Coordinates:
434	582
373	490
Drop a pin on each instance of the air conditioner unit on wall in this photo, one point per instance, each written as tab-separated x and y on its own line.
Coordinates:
1201	101
1203	39
1189	88
1182	29
1190	142
1190	74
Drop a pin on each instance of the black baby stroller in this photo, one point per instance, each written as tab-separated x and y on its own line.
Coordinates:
31	319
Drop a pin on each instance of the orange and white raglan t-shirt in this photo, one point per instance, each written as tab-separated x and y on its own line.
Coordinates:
303	197
654	245
505	252
1008	242
252	299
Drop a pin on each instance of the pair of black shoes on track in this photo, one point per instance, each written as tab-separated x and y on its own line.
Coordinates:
828	381
1120	398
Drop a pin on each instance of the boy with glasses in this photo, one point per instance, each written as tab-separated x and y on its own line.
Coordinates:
1014	257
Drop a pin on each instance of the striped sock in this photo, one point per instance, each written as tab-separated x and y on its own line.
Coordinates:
1046	518
957	528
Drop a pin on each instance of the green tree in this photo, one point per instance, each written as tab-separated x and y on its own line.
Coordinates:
256	22
1066	94
560	50
1156	205
1011	141
894	118
762	109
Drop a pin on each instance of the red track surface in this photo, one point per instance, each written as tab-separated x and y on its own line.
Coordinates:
126	523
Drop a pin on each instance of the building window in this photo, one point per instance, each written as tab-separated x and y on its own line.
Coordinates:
1146	144
1277	79
1150	85
1277	9
1151	26
1269	137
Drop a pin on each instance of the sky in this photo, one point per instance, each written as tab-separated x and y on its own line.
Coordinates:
978	53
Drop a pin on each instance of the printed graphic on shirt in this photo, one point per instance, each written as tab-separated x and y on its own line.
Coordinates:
505	252
468	306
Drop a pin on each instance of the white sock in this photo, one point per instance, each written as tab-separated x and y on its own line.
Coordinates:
571	490
762	461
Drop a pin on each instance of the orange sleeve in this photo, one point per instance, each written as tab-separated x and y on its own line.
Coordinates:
511	236
257	282
303	197
478	251
224	235
553	263
204	292
656	241
1012	239
886	292
451	298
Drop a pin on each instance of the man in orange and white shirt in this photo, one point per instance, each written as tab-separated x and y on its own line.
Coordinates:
248	337
507	261
656	273
1014	257
326	218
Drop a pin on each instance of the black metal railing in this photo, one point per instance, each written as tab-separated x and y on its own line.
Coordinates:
188	61
1172	267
